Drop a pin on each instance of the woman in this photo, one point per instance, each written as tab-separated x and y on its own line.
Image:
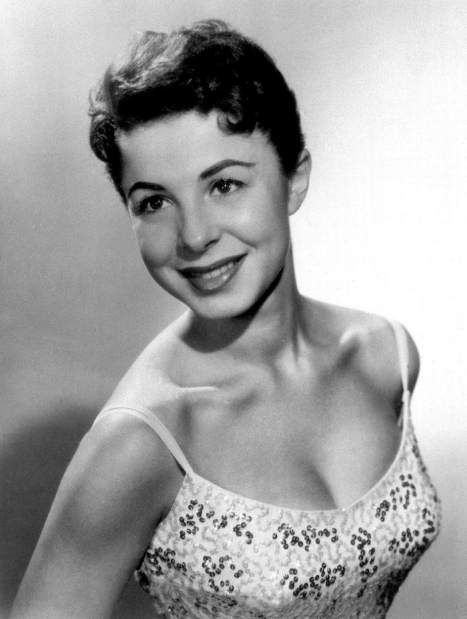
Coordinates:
258	459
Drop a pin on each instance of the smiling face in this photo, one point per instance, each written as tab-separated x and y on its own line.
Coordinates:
209	210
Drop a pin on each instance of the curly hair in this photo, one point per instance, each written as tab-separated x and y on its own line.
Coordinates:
206	67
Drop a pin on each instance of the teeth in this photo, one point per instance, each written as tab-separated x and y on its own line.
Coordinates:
217	272
213	279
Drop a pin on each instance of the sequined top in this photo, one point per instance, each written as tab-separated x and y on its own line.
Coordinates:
220	554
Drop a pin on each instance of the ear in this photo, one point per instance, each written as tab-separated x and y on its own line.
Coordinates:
298	182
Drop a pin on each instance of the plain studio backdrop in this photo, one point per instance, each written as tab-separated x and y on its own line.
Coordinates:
382	87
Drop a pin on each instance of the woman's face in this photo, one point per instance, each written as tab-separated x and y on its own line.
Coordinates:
209	209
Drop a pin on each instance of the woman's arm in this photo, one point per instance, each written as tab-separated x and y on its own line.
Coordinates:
107	505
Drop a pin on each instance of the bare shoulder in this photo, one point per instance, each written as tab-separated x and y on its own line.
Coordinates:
149	382
367	341
119	474
114	492
120	483
379	357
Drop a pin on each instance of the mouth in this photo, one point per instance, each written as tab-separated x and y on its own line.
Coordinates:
212	277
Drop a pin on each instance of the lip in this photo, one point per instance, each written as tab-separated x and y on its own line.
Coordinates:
201	270
213	277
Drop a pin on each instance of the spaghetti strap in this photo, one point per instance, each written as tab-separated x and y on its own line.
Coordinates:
403	353
159	428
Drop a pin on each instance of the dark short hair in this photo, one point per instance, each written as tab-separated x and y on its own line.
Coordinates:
206	67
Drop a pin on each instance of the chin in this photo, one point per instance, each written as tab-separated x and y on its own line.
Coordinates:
232	305
221	309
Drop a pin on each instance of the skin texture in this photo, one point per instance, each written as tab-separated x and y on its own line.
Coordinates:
309	391
200	219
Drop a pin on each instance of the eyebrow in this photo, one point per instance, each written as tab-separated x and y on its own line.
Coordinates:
211	171
144	185
225	163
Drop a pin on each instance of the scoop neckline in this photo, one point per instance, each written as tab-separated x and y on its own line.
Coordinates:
335	510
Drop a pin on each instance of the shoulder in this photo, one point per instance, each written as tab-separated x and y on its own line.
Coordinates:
149	381
378	354
163	376
120	475
112	496
367	344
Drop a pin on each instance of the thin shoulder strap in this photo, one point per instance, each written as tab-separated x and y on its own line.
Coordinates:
403	353
159	428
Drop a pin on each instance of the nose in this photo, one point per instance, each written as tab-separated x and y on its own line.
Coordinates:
198	230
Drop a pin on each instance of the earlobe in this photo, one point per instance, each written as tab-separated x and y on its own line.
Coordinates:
298	183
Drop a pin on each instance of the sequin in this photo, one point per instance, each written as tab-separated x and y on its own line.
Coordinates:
220	554
332	563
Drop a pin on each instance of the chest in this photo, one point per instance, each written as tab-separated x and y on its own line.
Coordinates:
314	441
218	554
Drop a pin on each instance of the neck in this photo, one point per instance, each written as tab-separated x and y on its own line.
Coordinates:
271	330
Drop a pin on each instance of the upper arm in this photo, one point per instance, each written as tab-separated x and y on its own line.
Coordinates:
106	507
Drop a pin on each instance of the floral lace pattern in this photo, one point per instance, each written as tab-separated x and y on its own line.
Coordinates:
219	554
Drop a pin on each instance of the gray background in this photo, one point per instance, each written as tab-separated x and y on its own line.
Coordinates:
382	87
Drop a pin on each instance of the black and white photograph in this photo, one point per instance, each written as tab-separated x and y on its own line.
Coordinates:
233	324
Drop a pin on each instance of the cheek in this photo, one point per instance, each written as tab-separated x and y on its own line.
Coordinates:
265	218
155	245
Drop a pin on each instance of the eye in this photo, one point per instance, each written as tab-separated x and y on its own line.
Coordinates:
151	204
225	186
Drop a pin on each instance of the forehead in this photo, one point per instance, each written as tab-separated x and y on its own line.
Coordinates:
184	145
